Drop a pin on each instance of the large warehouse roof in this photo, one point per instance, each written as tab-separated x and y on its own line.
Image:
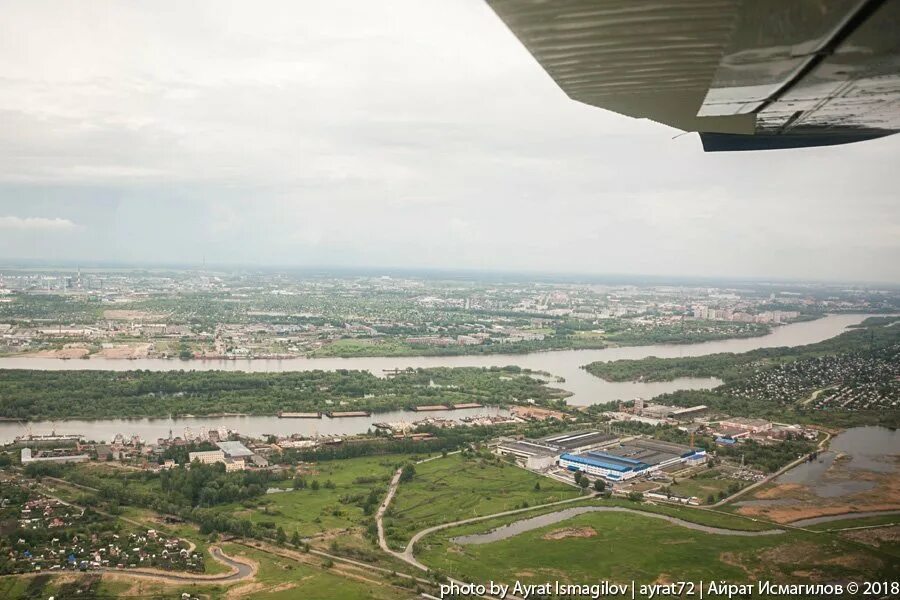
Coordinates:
234	449
576	439
605	461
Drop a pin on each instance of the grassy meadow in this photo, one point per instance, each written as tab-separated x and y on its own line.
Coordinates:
457	487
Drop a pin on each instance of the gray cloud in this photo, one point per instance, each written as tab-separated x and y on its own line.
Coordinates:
415	132
36	224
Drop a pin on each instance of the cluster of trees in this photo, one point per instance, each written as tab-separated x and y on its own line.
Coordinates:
30	395
208	485
187	493
367	502
407	473
445	440
584	482
768	457
733	488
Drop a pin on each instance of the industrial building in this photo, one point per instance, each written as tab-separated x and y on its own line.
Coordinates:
28	457
689	413
745	424
207	457
633	458
604	465
542	453
532	455
663	411
600	454
577	441
235	449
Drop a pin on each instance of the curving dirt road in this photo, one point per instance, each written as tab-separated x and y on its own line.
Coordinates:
406	556
239	571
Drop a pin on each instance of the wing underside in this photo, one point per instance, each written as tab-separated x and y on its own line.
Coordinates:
746	74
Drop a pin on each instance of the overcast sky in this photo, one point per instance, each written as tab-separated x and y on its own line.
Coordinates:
414	133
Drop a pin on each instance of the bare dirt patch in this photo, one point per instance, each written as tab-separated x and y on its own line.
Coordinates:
244	590
645	486
125	351
789	514
884	495
69	351
570	532
782	490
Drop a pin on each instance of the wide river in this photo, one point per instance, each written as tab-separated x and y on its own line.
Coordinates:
585	388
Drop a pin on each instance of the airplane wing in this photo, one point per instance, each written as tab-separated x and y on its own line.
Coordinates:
745	74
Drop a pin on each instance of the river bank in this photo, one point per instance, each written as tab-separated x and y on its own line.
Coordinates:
585	388
257	426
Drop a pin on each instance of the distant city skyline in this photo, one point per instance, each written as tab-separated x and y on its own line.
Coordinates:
424	136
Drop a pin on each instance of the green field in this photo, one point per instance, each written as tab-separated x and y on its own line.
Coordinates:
701	516
310	512
623	546
454	487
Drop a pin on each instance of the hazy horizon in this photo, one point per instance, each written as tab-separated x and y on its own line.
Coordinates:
492	275
357	136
